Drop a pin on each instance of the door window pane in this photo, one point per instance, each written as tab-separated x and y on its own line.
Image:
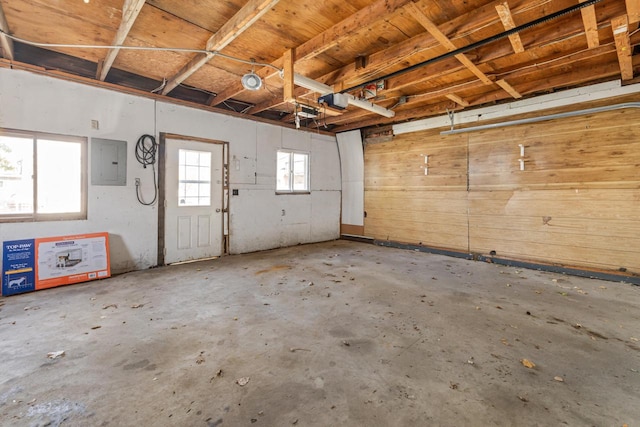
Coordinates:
194	178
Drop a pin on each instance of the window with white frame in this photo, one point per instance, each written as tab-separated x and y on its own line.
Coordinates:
292	172
194	178
42	176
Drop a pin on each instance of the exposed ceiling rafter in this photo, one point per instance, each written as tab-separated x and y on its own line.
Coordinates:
633	11
444	40
590	25
324	41
5	42
130	11
507	21
239	23
620	27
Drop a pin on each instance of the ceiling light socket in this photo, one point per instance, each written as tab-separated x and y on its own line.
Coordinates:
251	81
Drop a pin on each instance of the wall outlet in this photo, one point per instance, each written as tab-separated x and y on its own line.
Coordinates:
137	182
95	124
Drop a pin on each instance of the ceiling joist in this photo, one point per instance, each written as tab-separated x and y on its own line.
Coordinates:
620	27
5	42
130	11
509	89
327	39
240	22
457	100
444	40
633	11
288	72
507	21
590	25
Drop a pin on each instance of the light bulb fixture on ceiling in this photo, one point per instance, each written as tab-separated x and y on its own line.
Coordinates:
251	81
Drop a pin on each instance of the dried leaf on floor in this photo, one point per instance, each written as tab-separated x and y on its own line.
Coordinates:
137	305
110	306
524	399
559	379
96	327
242	381
528	364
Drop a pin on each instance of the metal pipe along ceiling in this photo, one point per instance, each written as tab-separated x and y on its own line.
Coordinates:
543	118
479	43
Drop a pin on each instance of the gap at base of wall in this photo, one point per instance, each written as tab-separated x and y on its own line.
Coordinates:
355	238
612	277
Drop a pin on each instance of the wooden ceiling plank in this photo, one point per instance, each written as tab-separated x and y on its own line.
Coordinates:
327	39
5	42
509	89
620	27
130	12
633	11
432	28
590	25
507	21
348	27
240	22
455	98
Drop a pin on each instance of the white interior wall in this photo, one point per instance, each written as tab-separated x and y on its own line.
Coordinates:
38	103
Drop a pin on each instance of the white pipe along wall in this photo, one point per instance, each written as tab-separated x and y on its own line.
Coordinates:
33	102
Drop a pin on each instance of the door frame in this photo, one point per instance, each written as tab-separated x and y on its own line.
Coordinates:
162	182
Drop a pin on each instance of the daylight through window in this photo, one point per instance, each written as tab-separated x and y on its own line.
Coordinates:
194	178
292	172
41	176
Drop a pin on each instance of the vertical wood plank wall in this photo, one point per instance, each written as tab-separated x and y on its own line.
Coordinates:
575	204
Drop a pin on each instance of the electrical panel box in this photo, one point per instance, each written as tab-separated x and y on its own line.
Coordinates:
108	162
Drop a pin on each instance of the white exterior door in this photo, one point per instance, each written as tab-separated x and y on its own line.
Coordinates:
193	200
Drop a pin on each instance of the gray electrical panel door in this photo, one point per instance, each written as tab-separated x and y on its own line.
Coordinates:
108	162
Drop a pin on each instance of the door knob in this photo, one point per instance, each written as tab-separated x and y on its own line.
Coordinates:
218	210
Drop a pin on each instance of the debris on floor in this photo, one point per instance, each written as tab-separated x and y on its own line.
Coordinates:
528	364
294	349
559	379
55	354
242	381
110	306
137	305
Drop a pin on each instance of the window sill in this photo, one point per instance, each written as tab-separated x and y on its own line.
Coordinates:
283	193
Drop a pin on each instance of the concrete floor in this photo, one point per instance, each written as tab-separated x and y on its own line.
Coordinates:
332	334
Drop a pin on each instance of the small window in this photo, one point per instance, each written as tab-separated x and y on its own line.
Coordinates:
194	178
42	177
292	172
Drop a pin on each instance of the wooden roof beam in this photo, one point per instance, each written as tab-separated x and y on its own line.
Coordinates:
633	11
5	42
507	21
509	89
444	40
329	38
620	27
590	25
130	11
289	61
239	23
455	98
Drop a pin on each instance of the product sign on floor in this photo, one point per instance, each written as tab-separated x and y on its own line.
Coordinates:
34	264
